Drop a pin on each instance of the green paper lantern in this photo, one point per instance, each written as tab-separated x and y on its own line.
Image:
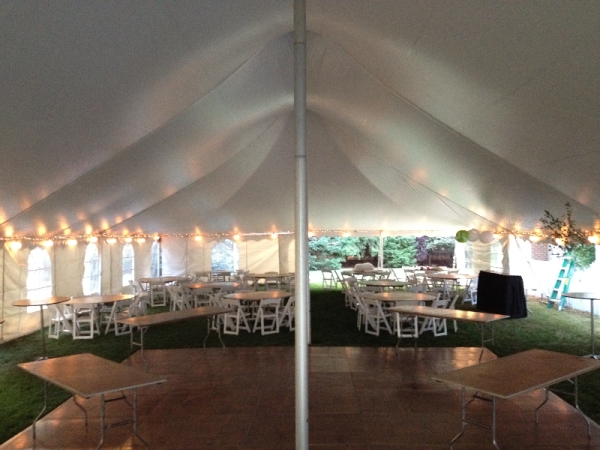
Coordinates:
462	236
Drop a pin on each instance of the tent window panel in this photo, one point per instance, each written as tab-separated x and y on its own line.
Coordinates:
91	273
39	275
156	260
128	264
496	257
225	256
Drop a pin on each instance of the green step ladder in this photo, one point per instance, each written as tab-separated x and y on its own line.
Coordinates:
562	284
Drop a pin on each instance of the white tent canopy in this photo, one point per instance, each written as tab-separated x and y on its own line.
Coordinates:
177	117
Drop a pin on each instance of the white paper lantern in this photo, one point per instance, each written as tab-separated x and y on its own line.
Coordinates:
473	235
486	237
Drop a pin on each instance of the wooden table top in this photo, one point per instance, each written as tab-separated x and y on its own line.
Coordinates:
267	275
88	375
163	280
258	295
520	373
443	313
40	301
211	285
173	316
451	276
582	295
384	283
400	296
95	299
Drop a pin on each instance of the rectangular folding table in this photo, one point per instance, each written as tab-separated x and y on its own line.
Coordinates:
87	375
479	318
515	375
142	323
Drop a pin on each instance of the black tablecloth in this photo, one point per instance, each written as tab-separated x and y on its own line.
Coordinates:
501	294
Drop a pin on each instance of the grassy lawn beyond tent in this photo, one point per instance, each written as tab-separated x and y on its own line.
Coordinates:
332	325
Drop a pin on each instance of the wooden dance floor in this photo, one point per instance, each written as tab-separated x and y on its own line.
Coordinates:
360	399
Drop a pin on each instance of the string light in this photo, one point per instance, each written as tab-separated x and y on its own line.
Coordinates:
16	242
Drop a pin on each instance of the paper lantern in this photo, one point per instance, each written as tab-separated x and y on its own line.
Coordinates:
473	235
462	236
486	237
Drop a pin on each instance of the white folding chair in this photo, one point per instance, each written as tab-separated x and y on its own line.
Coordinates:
179	299
328	277
234	321
375	317
60	321
267	316
434	324
85	321
288	314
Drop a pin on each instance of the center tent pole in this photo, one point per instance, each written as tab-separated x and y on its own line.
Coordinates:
301	227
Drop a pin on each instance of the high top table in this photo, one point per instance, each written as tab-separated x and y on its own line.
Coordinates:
41	302
87	375
515	375
591	296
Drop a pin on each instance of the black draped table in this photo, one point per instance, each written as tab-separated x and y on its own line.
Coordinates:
501	294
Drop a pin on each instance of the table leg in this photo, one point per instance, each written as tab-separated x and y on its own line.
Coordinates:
43	409
208	319
140	344
43	336
593	355
463	419
102	426
135	425
494	423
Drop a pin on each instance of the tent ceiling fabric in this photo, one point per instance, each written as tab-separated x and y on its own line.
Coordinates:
177	117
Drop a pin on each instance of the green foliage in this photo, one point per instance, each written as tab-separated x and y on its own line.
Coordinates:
441	244
330	252
573	240
564	228
583	255
399	251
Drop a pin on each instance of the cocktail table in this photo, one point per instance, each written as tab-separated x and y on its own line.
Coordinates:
41	302
591	296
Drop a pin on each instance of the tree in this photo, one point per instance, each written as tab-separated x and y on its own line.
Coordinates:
399	251
570	239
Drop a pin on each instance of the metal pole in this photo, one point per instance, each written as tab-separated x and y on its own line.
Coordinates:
301	226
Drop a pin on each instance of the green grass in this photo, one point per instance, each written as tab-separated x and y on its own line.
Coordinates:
332	325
